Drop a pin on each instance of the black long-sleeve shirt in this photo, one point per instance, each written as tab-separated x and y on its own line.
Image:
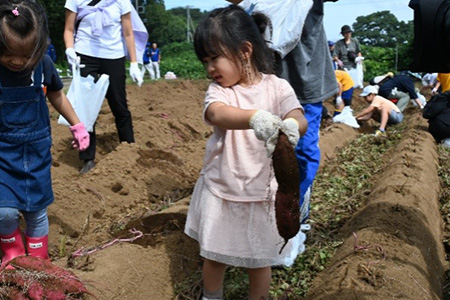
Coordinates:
403	84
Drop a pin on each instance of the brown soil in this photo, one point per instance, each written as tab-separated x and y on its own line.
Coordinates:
132	182
393	245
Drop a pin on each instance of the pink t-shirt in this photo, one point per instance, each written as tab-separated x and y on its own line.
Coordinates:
236	166
379	102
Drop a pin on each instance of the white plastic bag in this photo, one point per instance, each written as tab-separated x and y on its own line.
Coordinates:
86	97
357	74
287	17
346	117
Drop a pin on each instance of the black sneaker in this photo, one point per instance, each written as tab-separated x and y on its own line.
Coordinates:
87	166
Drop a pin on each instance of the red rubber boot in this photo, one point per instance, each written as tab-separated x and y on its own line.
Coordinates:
37	246
12	246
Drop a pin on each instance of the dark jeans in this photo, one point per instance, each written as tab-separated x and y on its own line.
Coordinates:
116	96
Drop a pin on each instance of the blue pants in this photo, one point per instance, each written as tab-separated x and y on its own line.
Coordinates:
308	154
37	221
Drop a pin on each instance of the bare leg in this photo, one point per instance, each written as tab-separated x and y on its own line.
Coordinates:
259	283
213	275
384	117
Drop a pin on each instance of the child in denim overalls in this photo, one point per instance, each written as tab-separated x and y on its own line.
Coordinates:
25	139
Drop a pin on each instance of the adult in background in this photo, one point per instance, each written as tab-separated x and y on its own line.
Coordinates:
51	51
442	83
331	47
429	80
347	55
399	87
346	50
345	94
309	70
146	61
101	48
155	57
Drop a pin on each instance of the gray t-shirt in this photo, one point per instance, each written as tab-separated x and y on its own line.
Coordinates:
308	66
341	50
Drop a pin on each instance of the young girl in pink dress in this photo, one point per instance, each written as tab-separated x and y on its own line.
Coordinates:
232	213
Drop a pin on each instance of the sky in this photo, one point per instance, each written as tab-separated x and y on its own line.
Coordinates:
343	12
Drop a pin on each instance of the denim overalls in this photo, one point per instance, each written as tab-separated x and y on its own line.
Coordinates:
25	142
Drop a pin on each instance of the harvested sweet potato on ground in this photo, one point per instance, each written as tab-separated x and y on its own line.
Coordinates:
287	207
36	278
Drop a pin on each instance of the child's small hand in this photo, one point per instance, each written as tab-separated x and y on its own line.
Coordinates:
266	127
290	128
80	135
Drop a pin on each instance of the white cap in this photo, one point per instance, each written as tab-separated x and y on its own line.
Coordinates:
370	89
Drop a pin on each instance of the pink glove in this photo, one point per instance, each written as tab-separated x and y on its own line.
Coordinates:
80	135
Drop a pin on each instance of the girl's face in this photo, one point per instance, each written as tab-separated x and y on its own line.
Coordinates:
16	58
222	70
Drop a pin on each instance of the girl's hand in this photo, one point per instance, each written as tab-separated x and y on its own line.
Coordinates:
80	135
266	127
290	128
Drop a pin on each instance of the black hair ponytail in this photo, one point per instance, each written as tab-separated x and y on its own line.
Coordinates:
224	30
24	21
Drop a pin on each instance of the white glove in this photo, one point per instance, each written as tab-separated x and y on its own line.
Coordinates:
394	92
72	57
434	91
266	127
135	73
290	129
338	101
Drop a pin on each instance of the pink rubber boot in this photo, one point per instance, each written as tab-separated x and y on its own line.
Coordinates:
37	246
12	246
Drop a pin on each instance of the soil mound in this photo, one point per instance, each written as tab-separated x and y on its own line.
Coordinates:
393	246
142	190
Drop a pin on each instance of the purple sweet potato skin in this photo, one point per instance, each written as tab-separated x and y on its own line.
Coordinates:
287	207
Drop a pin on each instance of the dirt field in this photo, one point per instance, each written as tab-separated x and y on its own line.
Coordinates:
398	252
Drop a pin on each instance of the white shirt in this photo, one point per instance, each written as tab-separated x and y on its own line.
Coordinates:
109	44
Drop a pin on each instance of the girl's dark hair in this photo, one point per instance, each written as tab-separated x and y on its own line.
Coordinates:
225	30
28	27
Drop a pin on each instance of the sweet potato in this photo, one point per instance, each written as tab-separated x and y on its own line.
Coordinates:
287	207
39	279
64	279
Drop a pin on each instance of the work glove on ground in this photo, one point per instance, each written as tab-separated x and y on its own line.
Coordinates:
135	73
266	127
80	136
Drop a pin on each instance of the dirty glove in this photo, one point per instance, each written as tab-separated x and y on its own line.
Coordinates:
135	73
72	57
266	127
80	135
338	101
290	128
